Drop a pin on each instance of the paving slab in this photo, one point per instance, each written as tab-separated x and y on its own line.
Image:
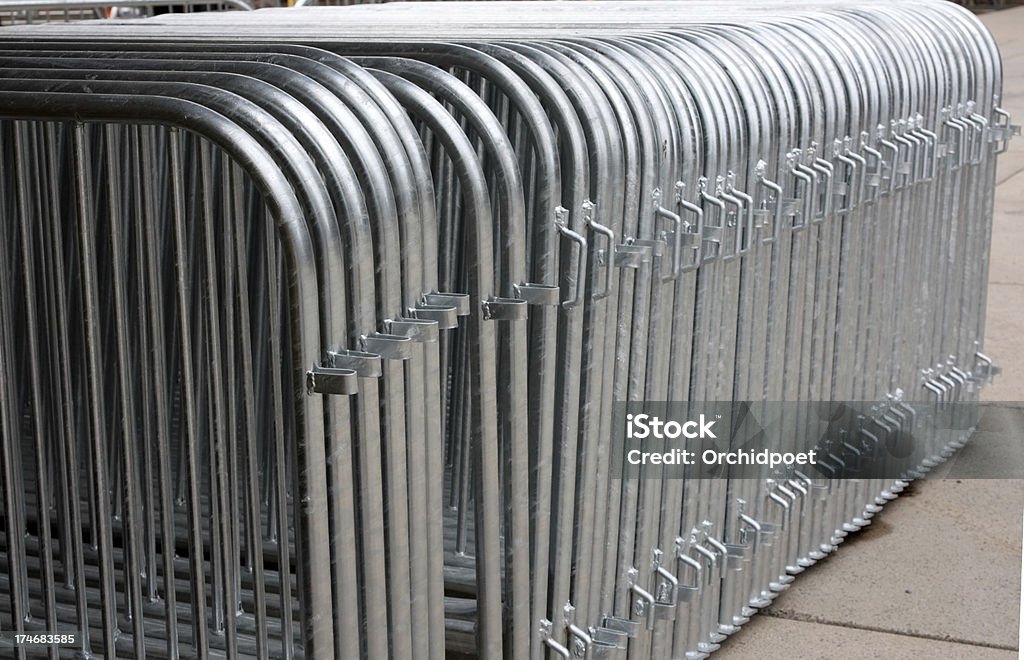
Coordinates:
1004	338
994	451
1004	318
769	638
1006	264
1008	29
941	562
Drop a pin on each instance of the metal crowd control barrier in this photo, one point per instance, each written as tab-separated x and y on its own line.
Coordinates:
14	12
313	319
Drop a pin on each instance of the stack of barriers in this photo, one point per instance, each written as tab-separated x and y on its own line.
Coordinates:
312	320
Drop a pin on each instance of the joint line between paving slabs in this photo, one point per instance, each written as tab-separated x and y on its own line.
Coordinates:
804	618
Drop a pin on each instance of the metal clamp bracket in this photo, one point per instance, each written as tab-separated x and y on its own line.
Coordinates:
607	641
331	380
686	593
713	234
446	317
809	179
545	295
593	643
389	347
692	233
632	255
745	230
984	370
824	196
604	258
624	627
504	309
873	178
773	206
1002	130
366	365
423	331
643	606
666	588
673	236
460	301
562	223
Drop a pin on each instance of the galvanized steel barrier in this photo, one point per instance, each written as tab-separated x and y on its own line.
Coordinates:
15	12
313	319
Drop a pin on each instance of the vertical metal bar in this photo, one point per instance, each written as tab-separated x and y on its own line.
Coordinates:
190	448
133	556
151	237
27	217
86	209
14	530
222	530
250	457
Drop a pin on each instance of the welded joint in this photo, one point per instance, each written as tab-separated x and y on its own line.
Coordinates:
553	645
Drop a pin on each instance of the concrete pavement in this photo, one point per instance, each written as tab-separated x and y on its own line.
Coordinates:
937	574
